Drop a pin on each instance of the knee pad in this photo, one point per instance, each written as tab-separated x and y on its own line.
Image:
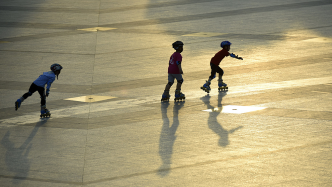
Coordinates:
180	81
170	83
212	77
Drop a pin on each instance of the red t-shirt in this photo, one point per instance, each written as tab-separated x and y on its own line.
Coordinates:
219	56
173	67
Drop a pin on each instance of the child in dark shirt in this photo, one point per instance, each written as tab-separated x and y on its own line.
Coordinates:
175	72
215	61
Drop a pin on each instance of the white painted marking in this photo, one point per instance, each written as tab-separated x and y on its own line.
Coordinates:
235	109
90	98
95	29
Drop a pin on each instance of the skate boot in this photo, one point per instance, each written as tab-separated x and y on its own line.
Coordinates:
44	112
179	96
222	86
206	87
18	104
165	97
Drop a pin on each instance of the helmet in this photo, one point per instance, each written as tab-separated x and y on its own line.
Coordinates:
177	44
224	43
55	67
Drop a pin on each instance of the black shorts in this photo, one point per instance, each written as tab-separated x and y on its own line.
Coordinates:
215	69
33	88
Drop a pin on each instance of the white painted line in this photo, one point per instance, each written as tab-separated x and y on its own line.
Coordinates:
319	39
34	117
205	34
254	88
95	29
98	107
321	92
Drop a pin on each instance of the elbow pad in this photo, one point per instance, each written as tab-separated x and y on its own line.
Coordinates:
178	62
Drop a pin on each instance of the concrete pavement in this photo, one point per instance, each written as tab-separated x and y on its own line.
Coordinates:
108	126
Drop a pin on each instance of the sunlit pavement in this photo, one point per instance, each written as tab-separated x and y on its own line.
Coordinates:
108	127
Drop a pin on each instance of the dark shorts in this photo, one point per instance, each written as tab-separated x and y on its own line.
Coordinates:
171	77
215	69
33	88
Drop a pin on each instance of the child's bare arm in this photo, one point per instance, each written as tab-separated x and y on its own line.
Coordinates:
180	68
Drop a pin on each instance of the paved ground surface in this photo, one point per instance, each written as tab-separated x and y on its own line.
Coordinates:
108	127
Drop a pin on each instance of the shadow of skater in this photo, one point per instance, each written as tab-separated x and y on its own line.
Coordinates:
213	123
17	158
167	137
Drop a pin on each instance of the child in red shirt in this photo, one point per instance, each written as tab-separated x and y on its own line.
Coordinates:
215	61
175	72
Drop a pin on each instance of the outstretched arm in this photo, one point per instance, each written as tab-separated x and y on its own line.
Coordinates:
235	56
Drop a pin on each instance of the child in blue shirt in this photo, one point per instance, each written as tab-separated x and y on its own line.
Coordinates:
46	78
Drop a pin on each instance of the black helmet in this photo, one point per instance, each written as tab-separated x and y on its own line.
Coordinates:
55	67
177	44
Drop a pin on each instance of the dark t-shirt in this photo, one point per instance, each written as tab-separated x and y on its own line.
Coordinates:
219	56
173	67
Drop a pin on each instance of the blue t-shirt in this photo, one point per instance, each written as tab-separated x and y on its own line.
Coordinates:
45	78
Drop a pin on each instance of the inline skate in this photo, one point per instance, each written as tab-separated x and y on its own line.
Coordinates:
165	97
44	112
18	104
206	87
179	96
222	86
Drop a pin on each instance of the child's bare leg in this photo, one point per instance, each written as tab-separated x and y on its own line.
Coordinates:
167	87
178	86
